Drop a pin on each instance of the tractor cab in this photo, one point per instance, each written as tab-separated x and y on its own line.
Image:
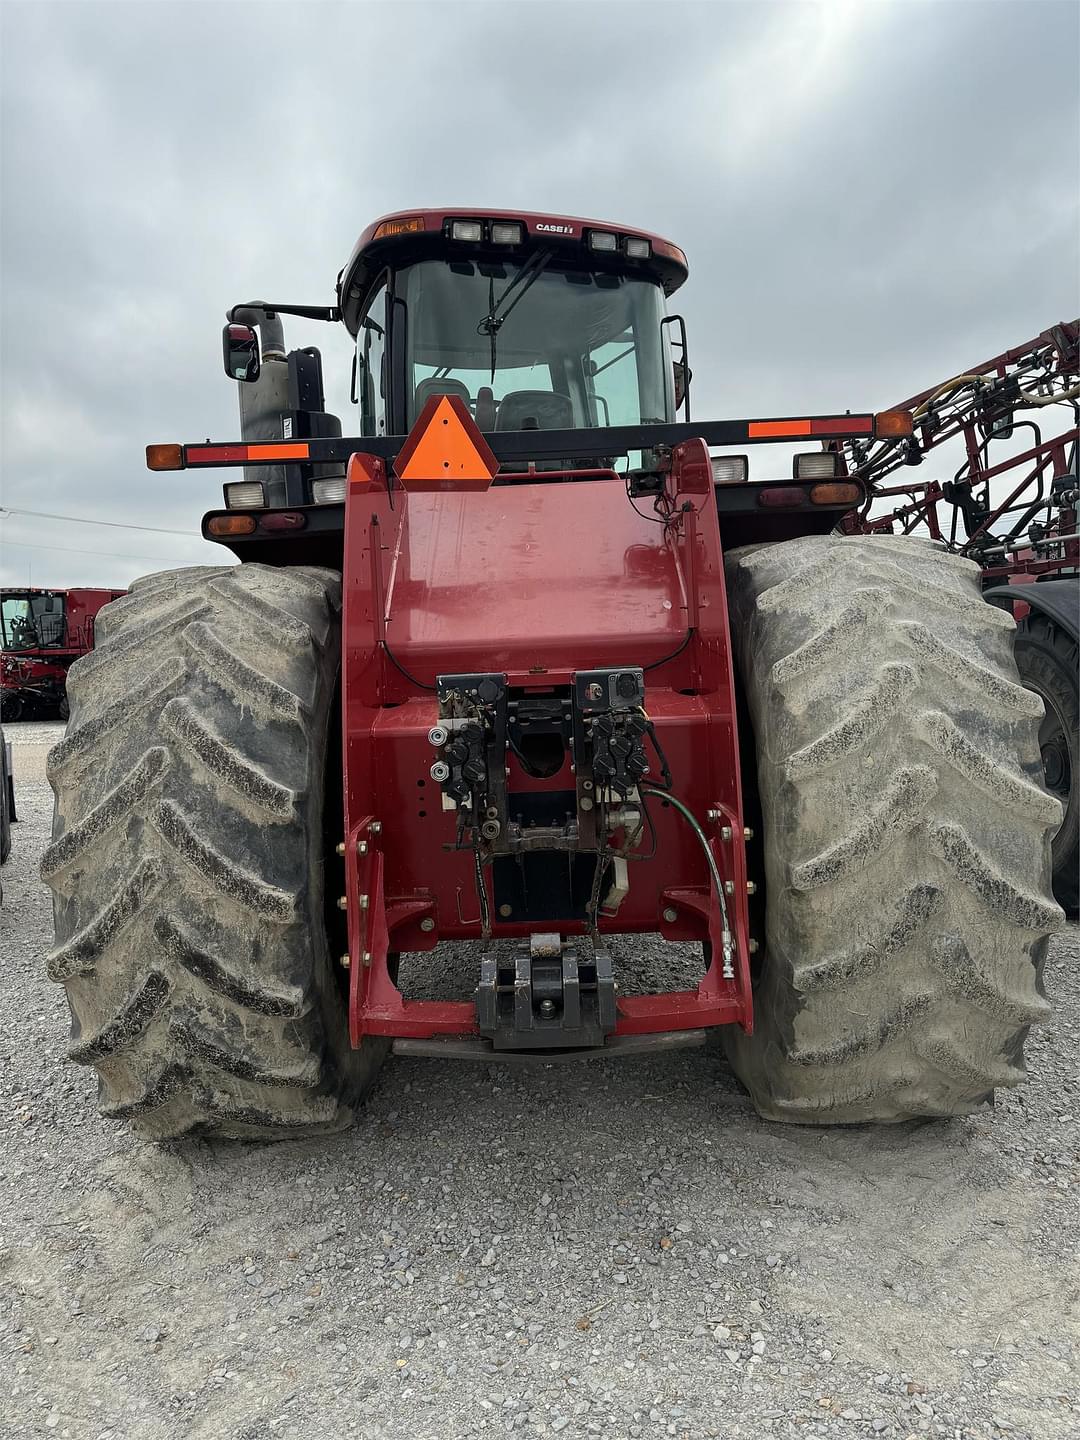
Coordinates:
32	620
534	323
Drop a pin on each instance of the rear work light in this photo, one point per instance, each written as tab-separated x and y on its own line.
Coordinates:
231	524
603	240
506	232
328	492
164	457
245	495
817	465
408	226
839	492
730	469
638	249
466	230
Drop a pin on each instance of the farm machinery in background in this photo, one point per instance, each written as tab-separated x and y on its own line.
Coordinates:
1012	507
524	663
43	633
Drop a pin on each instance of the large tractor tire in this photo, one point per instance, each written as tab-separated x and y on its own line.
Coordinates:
906	833
1048	660
188	857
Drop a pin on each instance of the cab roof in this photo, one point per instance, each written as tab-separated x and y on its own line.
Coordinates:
410	235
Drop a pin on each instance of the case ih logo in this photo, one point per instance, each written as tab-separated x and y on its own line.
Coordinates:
545	228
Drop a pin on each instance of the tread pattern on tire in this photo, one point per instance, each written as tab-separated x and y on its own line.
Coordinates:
186	859
906	832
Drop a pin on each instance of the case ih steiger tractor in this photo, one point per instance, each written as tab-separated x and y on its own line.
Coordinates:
523	663
43	633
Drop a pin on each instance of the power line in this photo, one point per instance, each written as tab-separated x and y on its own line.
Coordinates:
82	550
83	520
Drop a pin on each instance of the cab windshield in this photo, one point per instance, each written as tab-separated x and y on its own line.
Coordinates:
32	622
533	346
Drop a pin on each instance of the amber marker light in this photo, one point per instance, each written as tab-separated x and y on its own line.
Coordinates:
893	424
230	525
406	226
836	492
164	457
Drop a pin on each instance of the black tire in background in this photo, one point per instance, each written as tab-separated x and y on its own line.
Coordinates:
1049	663
6	807
188	857
906	833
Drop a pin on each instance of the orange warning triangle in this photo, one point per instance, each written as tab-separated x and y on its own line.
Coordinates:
445	450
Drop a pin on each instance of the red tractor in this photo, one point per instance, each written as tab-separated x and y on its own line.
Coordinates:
523	663
43	632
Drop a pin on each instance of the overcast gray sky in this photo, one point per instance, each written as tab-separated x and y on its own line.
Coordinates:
871	195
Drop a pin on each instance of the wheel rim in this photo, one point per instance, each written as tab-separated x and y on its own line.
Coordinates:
1054	747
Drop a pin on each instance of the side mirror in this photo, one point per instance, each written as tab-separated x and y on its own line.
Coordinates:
240	345
682	381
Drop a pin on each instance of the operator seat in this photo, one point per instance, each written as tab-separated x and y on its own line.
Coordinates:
427	388
546	409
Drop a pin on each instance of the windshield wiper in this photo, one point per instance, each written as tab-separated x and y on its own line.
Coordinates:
493	321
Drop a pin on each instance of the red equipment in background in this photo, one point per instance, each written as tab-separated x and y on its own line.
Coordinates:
43	632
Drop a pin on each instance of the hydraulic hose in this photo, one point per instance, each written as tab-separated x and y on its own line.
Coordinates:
727	940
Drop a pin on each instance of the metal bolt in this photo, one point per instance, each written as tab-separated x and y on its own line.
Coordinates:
363	902
345	962
671	914
340	847
427	924
375	828
586	803
748	834
343	902
725	832
753	947
729	887
361	849
367	957
506	911
751	888
712	814
547	1008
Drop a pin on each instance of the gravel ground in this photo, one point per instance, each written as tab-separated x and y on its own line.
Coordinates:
616	1249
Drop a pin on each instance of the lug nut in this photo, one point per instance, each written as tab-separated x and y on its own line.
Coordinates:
671	915
427	924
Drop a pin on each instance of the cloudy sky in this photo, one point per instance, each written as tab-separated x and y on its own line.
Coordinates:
871	195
